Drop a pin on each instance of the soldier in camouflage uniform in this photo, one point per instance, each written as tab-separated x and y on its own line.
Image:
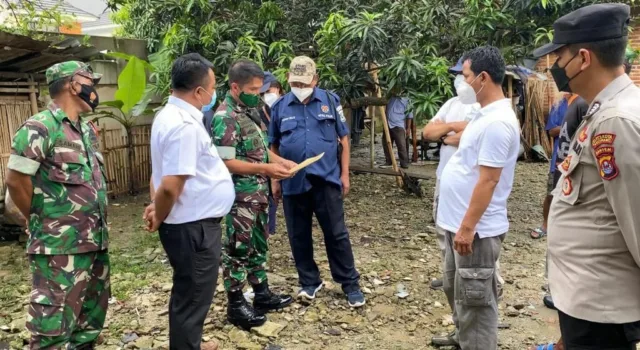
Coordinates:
56	178
237	134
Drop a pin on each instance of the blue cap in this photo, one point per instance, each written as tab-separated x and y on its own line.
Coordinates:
457	68
268	79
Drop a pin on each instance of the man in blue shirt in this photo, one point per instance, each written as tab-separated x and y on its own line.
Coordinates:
554	123
398	118
304	123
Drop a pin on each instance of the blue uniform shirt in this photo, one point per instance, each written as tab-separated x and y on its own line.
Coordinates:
556	117
303	131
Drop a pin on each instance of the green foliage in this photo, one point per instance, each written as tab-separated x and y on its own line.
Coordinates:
130	100
412	42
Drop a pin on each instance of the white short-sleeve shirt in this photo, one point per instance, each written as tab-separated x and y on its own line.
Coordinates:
452	111
491	139
180	145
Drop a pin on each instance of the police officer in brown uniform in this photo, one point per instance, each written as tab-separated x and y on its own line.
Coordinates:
594	226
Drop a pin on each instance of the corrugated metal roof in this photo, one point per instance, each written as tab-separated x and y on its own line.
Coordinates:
62	6
103	20
21	54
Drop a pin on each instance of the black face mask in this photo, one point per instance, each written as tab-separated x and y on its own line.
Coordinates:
559	75
89	95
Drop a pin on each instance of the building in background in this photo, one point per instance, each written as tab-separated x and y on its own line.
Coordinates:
89	17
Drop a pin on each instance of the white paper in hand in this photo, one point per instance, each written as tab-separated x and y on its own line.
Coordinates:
306	163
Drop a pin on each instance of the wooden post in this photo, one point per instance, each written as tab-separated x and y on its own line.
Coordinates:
33	97
511	92
372	134
414	137
387	137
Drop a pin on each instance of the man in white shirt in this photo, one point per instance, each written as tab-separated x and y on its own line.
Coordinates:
447	126
193	191
474	187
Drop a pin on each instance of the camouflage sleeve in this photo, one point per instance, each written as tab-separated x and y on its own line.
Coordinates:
29	148
225	132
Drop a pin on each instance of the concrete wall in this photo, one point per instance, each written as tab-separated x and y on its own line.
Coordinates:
110	70
634	41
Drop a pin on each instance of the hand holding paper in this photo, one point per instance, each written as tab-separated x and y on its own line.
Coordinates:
306	163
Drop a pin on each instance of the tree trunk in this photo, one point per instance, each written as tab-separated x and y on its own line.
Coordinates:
131	155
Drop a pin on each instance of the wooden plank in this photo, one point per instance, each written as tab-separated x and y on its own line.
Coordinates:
389	172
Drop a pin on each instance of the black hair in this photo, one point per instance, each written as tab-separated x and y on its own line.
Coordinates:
627	67
190	71
57	86
486	59
609	52
243	71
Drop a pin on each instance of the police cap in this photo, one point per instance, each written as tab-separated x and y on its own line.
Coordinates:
588	24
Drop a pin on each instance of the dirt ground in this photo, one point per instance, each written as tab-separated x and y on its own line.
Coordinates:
396	249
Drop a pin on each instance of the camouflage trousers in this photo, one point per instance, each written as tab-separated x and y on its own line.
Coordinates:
245	248
69	299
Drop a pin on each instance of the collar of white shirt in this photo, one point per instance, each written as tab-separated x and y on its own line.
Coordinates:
494	106
187	107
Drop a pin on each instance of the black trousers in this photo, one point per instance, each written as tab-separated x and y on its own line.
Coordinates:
579	334
325	200
193	250
399	137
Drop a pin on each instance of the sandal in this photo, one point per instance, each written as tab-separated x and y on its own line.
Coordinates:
538	233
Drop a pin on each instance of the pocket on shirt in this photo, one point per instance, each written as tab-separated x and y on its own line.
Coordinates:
476	286
69	167
328	128
287	131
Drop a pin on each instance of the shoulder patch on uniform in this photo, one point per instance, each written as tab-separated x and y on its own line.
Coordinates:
607	162
602	139
594	108
341	114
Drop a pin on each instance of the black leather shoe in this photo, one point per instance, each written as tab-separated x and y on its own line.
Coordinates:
265	300
548	302
241	314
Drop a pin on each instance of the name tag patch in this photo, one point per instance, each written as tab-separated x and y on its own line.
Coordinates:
287	118
68	144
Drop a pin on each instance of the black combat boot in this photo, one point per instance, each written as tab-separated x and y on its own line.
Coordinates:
241	314
265	300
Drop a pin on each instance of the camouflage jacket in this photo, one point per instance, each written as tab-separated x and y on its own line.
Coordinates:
237	136
69	203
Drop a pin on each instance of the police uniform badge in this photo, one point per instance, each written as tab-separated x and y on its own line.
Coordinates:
325	109
602	145
583	134
567	186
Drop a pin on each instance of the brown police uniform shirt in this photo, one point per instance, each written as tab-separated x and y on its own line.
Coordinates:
594	222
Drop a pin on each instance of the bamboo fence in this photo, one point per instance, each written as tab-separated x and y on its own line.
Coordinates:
533	128
114	146
13	114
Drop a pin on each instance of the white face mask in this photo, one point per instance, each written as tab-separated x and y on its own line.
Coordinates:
465	92
270	98
302	93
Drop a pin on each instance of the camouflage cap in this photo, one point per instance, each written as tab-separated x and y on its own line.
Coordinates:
70	68
302	70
